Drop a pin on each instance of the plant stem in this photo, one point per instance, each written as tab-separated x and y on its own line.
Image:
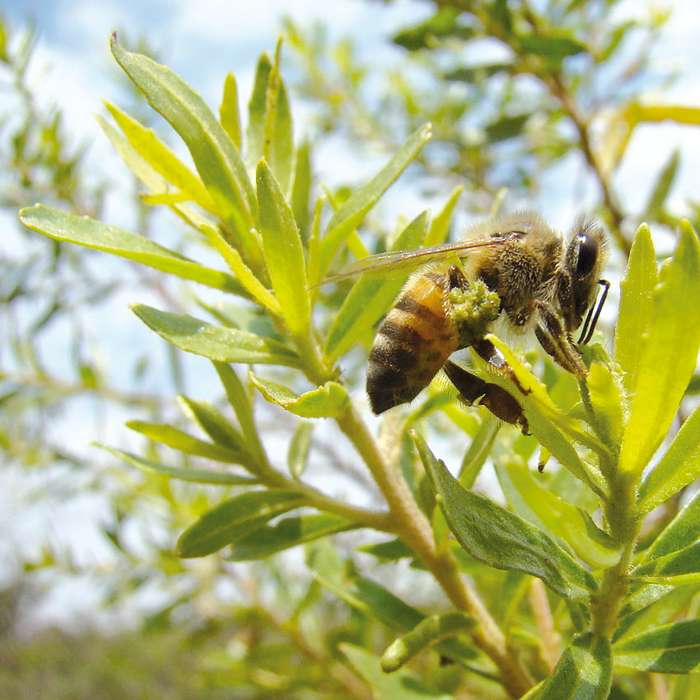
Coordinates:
409	523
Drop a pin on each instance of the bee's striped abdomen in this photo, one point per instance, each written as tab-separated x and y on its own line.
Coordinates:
413	343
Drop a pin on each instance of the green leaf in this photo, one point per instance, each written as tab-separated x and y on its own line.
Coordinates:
278	145
672	566
636	305
497	537
426	633
354	210
608	401
553	429
301	189
554	46
546	510
197	476
391	550
255	134
184	442
330	400
682	531
662	186
159	157
241	404
669	649
214	154
669	354
679	466
399	686
445	23
233	519
284	252
371	296
584	671
229	114
212	422
299	446
506	128
244	275
479	450
90	233
440	225
287	533
214	342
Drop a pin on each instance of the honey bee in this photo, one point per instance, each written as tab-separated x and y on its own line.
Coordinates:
512	274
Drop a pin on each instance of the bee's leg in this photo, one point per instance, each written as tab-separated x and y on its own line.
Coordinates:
457	278
557	343
473	389
489	352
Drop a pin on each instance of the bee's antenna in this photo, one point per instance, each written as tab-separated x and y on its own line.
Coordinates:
594	314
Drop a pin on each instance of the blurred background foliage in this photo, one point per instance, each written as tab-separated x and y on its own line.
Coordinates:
513	89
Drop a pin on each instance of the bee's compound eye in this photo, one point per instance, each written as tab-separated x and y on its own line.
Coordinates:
587	254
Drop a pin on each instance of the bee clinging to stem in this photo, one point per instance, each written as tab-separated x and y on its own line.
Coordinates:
513	273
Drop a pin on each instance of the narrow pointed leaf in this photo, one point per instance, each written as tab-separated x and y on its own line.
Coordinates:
90	233
371	296
671	648
229	114
608	401
197	476
678	563
546	510
424	635
161	158
354	210
636	305
479	450
255	133
679	466
233	519
584	671
398	686
299	446
284	252
440	225
497	537
301	189
330	400
212	422
215	342
663	185
214	154
184	442
669	354
682	531
287	533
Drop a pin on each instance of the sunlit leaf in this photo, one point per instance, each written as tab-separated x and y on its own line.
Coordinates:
671	648
212	422
84	231
636	304
299	446
255	133
229	113
287	533
608	401
669	355
439	228
682	531
498	538
215	342
301	189
330	400
214	154
679	466
233	519
161	158
284	253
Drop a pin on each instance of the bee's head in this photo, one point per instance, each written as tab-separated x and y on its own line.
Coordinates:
583	261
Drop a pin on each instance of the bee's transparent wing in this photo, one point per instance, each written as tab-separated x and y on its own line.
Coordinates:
405	260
